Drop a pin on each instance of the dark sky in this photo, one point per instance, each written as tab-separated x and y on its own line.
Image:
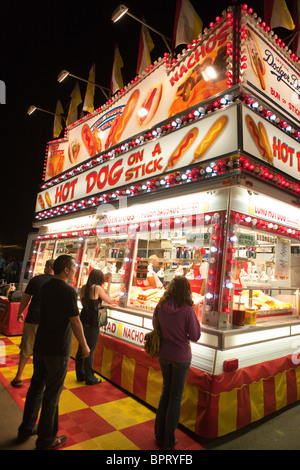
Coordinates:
38	39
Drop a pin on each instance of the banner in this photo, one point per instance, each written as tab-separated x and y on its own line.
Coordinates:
265	141
272	75
211	137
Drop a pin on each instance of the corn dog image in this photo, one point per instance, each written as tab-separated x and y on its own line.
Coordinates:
111	131
212	134
41	201
184	145
88	140
256	60
125	116
48	200
256	136
266	142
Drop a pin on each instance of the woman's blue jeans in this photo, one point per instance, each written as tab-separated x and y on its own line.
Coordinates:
168	412
84	367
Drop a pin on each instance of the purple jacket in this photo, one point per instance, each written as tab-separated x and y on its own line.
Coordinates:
179	326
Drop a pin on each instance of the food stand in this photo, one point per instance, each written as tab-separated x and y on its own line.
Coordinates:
196	162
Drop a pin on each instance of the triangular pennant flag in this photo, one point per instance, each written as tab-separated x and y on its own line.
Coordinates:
75	102
116	77
57	125
145	47
277	15
88	104
188	25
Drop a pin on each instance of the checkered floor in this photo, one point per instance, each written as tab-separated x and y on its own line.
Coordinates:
95	417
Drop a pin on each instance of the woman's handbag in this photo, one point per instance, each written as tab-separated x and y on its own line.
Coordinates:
152	341
102	316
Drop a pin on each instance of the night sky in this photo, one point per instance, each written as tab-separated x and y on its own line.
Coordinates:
38	40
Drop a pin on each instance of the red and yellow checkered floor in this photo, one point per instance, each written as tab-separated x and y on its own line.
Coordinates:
99	417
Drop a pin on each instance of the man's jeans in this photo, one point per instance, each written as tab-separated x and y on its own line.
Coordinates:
167	416
44	391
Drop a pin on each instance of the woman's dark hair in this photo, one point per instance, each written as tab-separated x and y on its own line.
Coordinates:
62	262
96	277
179	290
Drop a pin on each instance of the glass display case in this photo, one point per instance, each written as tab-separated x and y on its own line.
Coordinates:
45	251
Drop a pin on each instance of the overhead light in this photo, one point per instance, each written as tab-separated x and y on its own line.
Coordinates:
120	11
31	110
63	74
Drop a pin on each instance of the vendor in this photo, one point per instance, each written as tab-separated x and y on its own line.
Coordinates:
149	278
236	280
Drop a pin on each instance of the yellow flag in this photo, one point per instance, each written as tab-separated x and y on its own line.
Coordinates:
281	16
88	104
75	102
145	47
57	125
188	25
116	77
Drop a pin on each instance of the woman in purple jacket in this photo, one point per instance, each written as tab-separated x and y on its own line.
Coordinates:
179	325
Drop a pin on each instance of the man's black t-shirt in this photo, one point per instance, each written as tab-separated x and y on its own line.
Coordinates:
58	304
33	288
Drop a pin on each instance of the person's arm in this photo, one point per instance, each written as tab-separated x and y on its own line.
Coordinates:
23	304
193	329
76	326
103	295
82	293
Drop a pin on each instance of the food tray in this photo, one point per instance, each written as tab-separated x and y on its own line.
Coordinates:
275	311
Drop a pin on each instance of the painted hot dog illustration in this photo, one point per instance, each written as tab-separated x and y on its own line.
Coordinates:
112	131
265	139
210	137
48	200
88	140
183	146
122	122
149	105
256	59
259	137
97	141
74	150
41	202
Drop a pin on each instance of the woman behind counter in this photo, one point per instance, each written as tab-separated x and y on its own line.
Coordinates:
179	325
91	295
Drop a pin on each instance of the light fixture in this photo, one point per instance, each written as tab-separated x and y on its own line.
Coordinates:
64	74
31	110
121	10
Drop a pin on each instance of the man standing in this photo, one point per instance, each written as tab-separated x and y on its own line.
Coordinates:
51	354
32	293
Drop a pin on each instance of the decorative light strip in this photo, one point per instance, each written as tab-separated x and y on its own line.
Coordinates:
273	116
193	174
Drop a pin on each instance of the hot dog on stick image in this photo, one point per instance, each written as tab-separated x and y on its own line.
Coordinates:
210	137
122	120
150	105
260	139
183	146
256	59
